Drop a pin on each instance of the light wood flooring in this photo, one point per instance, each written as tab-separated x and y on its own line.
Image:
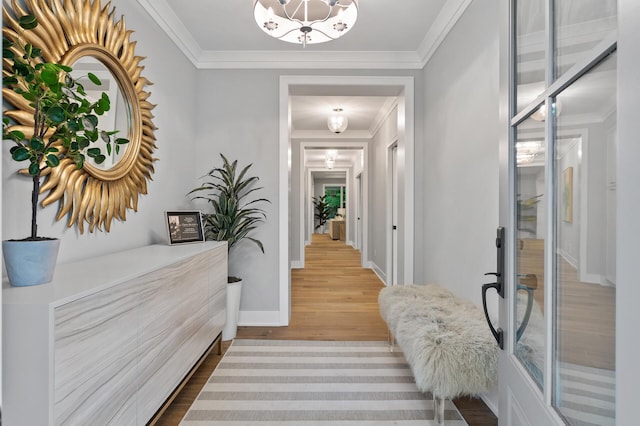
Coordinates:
586	312
333	298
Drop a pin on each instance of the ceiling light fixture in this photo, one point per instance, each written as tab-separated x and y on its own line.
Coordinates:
305	21
337	121
330	158
541	113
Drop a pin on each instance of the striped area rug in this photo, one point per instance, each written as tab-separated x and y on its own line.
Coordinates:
588	395
276	382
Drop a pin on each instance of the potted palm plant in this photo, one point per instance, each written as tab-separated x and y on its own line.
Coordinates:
323	211
62	124
235	216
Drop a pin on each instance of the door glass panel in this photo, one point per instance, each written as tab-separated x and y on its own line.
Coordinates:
580	25
585	166
531	230
530	48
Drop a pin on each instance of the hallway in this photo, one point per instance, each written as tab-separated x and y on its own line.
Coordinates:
333	298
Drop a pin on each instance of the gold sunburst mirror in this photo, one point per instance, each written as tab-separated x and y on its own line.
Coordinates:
80	34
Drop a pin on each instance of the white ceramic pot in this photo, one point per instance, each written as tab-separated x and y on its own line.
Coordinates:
234	292
30	262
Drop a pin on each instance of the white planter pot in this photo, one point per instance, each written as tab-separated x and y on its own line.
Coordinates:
30	262
234	292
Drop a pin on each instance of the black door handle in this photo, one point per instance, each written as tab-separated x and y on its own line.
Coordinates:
498	286
497	334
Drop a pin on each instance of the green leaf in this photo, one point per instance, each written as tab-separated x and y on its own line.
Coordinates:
104	104
122	141
9	80
36	52
7	53
93	152
64	68
16	135
82	143
90	122
56	114
21	69
34	169
109	148
20	154
36	145
49	77
100	159
94	79
28	22
52	160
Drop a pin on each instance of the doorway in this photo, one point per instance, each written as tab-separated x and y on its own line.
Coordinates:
289	202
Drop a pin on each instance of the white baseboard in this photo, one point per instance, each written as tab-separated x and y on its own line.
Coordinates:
378	272
490	403
297	264
259	318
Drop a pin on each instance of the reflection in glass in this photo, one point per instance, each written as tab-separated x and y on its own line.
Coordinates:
531	229
585	165
530	48
115	118
580	25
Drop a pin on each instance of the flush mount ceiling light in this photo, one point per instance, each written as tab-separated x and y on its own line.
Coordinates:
330	158
305	21
337	121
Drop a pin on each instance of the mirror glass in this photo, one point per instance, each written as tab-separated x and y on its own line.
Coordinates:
116	118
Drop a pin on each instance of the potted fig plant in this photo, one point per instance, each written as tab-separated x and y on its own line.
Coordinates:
61	123
323	210
235	216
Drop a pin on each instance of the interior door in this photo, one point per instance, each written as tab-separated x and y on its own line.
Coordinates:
394	215
558	311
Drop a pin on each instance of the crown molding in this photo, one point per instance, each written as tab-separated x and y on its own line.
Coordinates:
164	16
447	18
327	135
167	20
309	60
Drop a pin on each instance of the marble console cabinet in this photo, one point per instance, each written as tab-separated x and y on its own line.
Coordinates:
111	337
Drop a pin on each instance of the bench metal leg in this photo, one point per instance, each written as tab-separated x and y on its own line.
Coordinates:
438	410
392	341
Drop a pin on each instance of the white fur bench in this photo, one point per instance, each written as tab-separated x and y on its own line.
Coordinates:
445	340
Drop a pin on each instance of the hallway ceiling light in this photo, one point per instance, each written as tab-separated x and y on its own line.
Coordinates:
337	121
330	159
305	21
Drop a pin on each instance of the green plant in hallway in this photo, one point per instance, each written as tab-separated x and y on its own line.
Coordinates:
62	127
323	211
236	214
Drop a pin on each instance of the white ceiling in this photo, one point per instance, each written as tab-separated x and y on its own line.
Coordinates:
388	34
402	34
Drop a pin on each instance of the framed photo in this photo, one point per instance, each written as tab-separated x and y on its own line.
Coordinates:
184	226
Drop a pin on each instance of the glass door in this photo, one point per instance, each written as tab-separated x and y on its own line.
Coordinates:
559	206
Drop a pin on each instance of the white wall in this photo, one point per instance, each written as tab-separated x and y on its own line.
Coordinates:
173	91
457	165
237	115
459	159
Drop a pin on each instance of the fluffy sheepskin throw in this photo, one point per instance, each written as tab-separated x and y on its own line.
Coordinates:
445	339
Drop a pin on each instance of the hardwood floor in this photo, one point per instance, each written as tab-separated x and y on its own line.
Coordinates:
333	298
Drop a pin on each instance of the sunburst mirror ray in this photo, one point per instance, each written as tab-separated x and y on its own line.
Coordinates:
67	31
